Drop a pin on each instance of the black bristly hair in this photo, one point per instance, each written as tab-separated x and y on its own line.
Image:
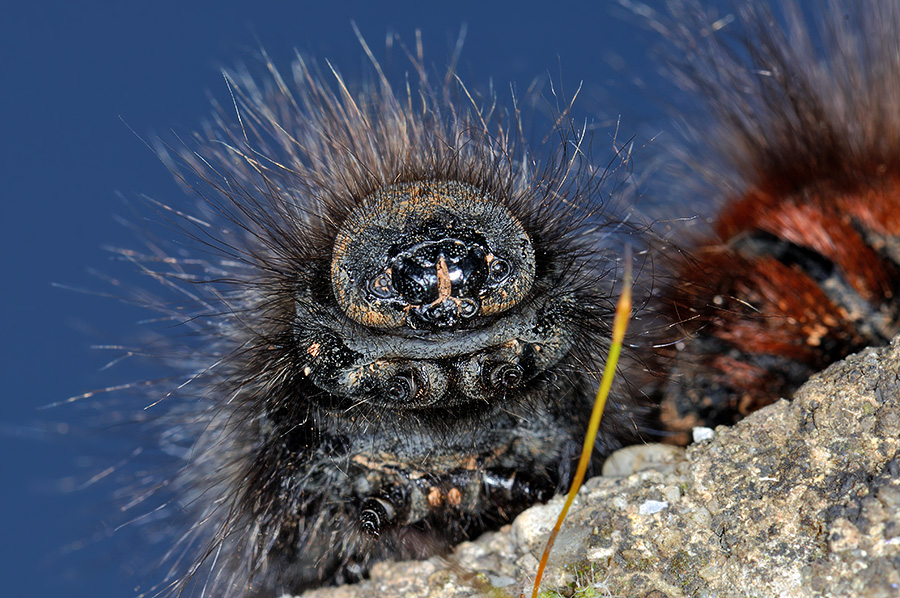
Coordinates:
392	313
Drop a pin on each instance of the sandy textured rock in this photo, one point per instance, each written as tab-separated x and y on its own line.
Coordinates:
801	499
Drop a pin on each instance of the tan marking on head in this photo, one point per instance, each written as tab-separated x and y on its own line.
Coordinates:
445	287
454	496
314	349
369	317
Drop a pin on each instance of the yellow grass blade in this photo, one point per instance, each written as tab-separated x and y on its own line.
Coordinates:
620	324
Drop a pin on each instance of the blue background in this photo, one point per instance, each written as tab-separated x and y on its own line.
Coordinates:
71	73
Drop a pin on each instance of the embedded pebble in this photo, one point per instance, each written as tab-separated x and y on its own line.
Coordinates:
649	507
701	433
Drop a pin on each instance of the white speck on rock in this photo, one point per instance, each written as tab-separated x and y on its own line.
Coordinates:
701	433
652	506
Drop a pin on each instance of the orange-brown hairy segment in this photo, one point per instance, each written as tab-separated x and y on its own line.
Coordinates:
820	221
799	147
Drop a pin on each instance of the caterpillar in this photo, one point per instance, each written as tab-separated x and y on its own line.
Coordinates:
394	332
396	308
799	267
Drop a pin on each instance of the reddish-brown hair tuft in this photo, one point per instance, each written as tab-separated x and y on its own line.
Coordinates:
802	266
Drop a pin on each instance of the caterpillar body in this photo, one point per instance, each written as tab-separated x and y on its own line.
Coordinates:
800	267
395	335
398	309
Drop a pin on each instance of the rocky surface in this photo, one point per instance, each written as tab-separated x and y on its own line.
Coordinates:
801	499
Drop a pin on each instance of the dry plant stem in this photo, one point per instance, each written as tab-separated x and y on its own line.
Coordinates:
620	324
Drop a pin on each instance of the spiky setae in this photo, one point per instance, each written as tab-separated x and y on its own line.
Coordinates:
397	314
